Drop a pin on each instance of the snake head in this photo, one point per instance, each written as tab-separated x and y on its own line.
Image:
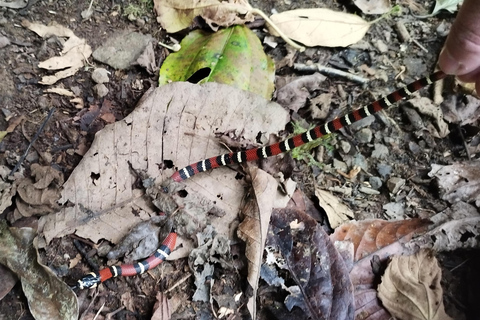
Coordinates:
89	281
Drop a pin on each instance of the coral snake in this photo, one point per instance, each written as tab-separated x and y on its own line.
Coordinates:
92	279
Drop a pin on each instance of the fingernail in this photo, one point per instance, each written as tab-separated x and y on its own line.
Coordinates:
449	64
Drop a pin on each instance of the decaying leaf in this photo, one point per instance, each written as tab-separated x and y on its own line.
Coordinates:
7	188
161	309
173	126
374	241
48	297
212	248
294	95
426	107
323	288
254	227
457	227
462	112
176	15
411	289
38	197
459	181
373	7
8	281
75	51
232	56
368	236
321	27
336	211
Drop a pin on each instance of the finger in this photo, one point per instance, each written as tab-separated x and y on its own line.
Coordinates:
461	54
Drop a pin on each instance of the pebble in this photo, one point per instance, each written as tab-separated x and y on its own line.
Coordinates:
394	184
375	182
4	41
384	170
100	90
345	146
365	135
367	190
365	122
380	152
359	160
100	75
394	210
381	46
340	165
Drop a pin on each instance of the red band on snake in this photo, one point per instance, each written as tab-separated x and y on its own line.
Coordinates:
313	134
92	279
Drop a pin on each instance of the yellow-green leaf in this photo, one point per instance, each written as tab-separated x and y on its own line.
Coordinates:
321	27
2	135
232	56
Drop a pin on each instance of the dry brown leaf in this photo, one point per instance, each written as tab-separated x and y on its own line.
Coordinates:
176	15
75	51
373	6
374	241
368	236
174	125
411	289
426	107
336	211
254	227
321	27
459	181
457	227
161	309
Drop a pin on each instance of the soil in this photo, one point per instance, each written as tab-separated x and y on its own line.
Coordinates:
134	298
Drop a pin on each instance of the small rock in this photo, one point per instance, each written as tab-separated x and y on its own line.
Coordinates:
384	170
100	75
380	152
3	21
381	46
415	148
345	146
365	135
32	157
367	190
365	122
340	165
140	22
4	41
360	161
375	182
100	90
394	184
394	210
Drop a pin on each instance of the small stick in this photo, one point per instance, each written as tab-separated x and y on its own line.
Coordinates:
179	282
22	158
329	71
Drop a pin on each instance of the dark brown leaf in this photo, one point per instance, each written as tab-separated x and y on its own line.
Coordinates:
323	290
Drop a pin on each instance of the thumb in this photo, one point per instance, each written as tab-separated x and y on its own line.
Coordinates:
461	54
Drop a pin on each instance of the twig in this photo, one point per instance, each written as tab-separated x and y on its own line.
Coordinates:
22	158
82	316
329	71
179	282
84	254
274	27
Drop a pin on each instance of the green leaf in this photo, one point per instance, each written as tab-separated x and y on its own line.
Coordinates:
232	56
2	135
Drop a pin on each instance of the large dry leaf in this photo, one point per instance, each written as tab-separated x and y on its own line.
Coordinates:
254	227
411	289
75	51
176	15
172	126
373	242
48	297
321	27
459	181
323	288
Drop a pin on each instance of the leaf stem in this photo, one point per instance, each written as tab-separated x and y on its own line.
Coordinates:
282	35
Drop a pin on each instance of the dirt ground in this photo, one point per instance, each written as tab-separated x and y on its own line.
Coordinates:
22	95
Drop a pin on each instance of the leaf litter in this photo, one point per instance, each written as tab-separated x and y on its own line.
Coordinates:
190	126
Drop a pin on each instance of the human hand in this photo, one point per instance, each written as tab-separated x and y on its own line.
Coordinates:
461	54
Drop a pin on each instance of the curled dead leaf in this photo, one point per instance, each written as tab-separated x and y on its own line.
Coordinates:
411	289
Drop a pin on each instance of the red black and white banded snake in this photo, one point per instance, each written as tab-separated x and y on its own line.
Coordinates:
92	279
